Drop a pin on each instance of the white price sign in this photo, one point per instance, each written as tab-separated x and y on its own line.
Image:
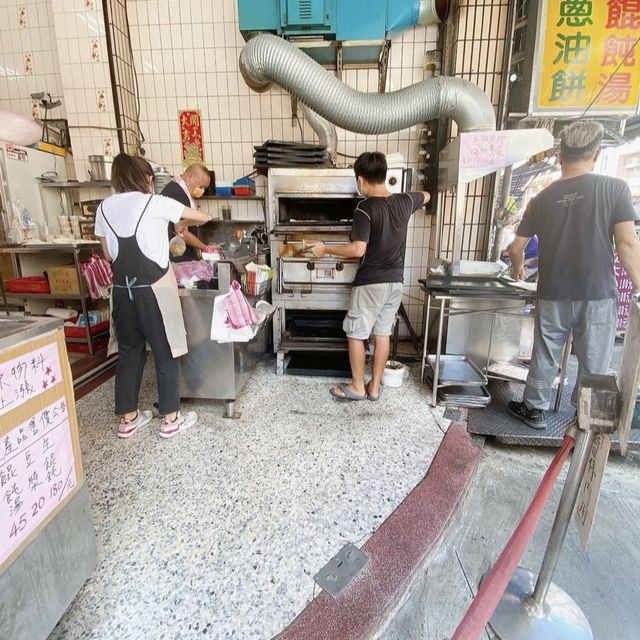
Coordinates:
587	503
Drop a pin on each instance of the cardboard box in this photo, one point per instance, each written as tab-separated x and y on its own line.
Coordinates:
64	281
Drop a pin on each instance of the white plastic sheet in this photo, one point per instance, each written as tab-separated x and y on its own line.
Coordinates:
223	332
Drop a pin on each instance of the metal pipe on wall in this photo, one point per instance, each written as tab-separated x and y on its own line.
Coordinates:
325	131
267	58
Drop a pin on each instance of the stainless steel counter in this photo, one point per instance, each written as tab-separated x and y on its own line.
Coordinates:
484	319
16	329
212	370
38	585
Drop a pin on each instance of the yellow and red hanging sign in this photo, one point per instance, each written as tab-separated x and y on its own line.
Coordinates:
589	56
191	137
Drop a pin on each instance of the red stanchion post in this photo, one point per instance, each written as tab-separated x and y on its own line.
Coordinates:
496	581
546	612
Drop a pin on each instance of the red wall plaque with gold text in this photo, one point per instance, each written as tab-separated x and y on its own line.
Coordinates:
191	137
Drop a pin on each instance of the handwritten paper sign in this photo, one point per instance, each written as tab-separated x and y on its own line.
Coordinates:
26	377
483	150
37	470
587	503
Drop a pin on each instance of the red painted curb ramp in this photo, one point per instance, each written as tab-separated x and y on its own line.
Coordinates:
397	551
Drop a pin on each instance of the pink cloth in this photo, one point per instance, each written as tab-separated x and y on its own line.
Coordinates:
239	312
97	273
183	184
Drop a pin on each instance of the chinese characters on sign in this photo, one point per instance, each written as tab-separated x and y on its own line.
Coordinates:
587	502
37	470
27	376
589	56
625	291
481	150
191	137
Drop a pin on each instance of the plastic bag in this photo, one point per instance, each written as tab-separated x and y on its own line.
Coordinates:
222	332
239	312
177	246
18	129
188	272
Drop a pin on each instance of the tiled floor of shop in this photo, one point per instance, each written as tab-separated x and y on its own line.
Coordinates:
219	531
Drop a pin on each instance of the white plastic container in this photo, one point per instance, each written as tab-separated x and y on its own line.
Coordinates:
394	374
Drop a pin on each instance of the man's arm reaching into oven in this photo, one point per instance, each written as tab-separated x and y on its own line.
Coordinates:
354	249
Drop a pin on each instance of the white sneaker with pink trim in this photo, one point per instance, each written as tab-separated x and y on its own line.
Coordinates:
170	428
127	428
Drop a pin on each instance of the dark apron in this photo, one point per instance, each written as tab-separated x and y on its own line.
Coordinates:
148	274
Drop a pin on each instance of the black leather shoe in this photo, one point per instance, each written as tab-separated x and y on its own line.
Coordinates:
533	418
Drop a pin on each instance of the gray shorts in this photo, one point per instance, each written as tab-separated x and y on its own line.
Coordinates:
372	309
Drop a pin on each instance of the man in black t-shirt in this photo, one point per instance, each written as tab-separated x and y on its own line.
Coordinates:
187	188
575	219
378	238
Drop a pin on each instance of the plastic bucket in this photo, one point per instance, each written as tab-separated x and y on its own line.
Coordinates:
394	373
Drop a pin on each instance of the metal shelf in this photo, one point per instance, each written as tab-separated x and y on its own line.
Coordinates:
75	250
42	248
78	340
44	296
73	184
236	221
232	198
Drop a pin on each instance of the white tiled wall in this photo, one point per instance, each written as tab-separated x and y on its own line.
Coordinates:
186	54
84	68
28	56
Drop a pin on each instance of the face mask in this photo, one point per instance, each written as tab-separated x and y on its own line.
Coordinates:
197	192
359	187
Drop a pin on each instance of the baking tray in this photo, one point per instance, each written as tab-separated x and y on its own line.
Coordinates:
464	396
457	370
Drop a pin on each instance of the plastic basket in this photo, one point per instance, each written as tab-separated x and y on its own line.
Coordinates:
252	288
244	187
27	284
80	332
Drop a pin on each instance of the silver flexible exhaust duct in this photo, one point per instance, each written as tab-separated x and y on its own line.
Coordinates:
325	131
267	58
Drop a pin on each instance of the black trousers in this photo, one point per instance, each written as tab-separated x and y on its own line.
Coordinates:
137	322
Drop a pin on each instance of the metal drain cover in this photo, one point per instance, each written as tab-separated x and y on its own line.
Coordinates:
452	414
336	575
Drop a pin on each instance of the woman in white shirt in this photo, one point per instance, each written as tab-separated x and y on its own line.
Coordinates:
132	226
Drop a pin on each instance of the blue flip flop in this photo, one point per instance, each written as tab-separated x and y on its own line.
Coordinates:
348	394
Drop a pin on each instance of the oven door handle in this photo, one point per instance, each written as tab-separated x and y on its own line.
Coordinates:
300	289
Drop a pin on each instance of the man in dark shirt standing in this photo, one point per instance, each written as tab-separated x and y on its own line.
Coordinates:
378	238
575	220
186	189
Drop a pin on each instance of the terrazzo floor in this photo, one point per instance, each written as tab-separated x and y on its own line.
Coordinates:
219	531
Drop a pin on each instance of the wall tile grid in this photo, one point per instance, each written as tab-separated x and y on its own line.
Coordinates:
186	56
28	57
84	68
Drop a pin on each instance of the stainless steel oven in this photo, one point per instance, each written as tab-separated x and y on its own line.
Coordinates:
311	295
